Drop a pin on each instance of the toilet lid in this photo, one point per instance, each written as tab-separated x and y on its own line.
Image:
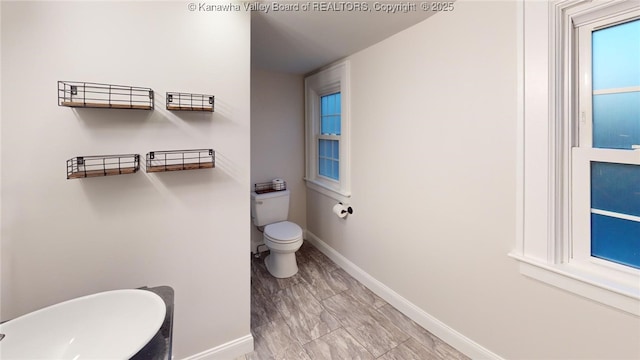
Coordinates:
284	231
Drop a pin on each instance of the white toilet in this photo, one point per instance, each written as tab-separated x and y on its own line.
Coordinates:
282	237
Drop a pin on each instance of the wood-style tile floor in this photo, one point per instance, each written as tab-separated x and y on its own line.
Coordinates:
324	313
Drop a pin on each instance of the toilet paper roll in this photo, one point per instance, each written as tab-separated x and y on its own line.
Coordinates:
339	210
277	184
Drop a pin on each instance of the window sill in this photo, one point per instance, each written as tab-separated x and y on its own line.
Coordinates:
583	283
338	195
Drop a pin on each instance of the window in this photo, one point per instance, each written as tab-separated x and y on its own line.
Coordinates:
606	161
327	131
329	137
578	136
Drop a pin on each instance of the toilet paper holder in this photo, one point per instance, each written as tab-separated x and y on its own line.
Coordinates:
342	211
347	210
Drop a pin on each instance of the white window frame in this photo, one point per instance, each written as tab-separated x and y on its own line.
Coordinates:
547	104
326	82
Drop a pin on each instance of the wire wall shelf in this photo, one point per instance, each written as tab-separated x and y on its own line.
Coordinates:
267	187
175	160
102	165
95	95
189	102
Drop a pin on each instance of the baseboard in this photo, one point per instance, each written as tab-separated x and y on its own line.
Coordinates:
227	351
435	326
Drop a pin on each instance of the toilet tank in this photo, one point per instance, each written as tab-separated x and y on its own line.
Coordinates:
270	207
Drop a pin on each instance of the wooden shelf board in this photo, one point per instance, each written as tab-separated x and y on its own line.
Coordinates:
105	105
178	167
97	173
189	108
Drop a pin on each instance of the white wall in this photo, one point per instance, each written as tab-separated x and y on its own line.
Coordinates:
433	182
189	229
277	137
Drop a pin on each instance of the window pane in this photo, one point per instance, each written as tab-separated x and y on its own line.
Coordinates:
616	187
616	120
322	148
329	149
616	240
330	124
329	168
616	56
325	127
324	108
330	111
329	158
323	168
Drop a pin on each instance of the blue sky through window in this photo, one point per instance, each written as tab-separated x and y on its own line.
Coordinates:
615	188
616	56
330	124
330	114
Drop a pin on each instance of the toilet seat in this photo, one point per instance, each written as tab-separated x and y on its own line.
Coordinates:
283	232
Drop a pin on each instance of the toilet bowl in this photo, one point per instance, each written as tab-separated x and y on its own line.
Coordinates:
283	239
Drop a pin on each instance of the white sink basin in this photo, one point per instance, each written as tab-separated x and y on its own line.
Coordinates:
108	325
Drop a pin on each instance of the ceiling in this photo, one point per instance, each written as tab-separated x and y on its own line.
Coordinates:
302	41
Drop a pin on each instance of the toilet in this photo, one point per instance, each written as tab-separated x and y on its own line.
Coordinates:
282	237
